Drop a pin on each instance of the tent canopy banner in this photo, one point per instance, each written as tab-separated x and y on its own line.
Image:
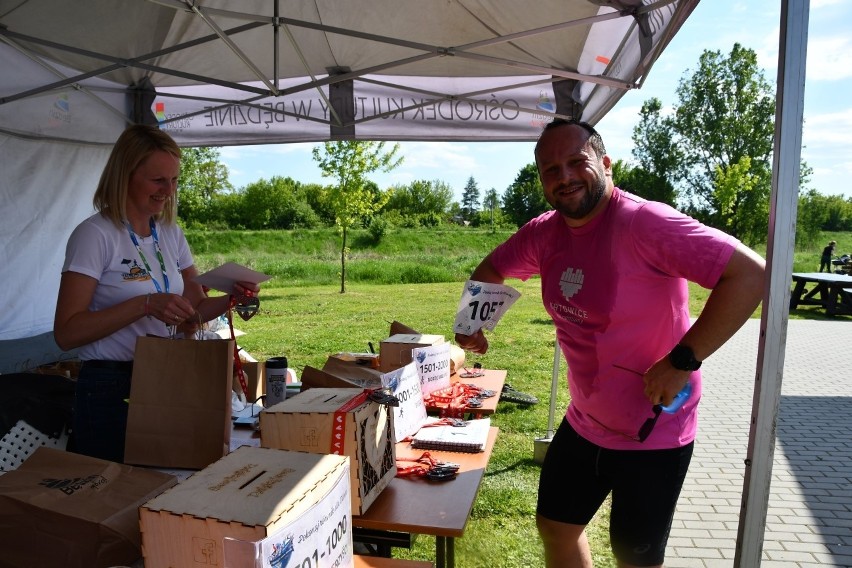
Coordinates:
506	112
318	62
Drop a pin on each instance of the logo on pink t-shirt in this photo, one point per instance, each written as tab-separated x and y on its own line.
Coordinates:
570	282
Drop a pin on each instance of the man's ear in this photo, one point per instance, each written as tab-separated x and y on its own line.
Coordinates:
607	164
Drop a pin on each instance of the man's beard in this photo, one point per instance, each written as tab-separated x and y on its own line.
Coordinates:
590	200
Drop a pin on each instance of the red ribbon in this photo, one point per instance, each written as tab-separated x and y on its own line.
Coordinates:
452	401
338	427
419	467
238	363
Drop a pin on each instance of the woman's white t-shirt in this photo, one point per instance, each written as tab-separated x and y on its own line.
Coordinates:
105	252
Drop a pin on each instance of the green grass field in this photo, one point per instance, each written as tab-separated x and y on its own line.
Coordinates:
416	277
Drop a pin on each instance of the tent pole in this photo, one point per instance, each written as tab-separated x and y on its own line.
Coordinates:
540	445
792	52
554	390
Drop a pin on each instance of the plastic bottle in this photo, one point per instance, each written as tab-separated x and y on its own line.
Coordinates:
679	399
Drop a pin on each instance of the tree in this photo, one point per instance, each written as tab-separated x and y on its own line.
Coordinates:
352	199
524	199
720	135
809	218
743	205
277	203
818	212
726	114
470	199
317	197
202	178
489	203
655	149
420	200
643	183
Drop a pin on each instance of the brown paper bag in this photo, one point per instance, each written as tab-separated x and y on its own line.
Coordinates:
180	403
74	511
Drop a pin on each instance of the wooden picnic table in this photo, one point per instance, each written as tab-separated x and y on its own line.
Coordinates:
828	291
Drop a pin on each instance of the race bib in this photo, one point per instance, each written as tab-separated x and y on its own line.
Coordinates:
482	305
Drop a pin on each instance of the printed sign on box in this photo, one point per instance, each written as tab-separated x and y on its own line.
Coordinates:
410	415
433	367
322	537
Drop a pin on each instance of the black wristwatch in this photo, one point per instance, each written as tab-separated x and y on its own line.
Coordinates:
682	358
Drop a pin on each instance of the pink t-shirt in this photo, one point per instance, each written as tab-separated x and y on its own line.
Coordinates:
616	289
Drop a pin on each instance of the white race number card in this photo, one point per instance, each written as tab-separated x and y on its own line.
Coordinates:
482	305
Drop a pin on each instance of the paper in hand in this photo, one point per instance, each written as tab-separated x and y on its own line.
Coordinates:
224	277
482	305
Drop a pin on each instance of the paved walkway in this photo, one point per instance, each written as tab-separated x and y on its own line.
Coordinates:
809	522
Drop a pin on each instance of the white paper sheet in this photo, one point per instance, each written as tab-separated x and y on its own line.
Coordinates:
224	277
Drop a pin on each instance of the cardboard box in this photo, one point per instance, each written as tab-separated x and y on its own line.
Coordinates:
350	370
253	503
341	421
315	378
64	509
457	354
395	351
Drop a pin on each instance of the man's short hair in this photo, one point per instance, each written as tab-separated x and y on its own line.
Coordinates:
595	139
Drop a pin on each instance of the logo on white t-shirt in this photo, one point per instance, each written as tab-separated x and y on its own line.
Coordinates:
570	282
134	272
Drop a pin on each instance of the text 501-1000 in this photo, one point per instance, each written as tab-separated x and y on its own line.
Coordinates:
485	311
433	367
331	543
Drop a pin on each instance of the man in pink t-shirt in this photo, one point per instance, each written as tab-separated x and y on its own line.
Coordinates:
614	270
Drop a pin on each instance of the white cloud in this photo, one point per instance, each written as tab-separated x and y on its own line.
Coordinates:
818	4
438	156
829	58
831	131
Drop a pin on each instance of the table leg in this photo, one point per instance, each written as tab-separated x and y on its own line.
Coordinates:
820	290
445	552
831	301
796	296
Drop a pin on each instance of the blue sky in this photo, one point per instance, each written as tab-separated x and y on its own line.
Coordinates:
714	25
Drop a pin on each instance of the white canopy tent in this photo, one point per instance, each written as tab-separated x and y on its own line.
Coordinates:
226	72
73	75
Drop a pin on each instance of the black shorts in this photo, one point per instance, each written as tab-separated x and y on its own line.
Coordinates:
577	476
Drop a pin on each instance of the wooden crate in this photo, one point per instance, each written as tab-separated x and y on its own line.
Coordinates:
341	421
253	503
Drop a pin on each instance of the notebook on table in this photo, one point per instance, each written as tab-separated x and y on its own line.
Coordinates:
470	438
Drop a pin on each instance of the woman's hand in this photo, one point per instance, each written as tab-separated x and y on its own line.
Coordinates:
171	309
248	289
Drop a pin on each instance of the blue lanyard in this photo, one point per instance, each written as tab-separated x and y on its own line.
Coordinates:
156	249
